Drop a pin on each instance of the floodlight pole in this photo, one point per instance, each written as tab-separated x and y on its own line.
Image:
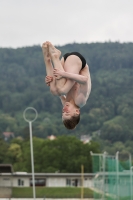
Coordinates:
31	146
130	160
131	174
131	177
32	160
104	162
82	182
117	172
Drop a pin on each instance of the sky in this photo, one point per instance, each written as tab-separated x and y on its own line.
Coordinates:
32	22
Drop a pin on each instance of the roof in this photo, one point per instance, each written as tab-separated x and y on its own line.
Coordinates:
6	168
45	175
8	134
51	137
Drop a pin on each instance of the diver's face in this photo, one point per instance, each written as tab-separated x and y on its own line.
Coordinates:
68	111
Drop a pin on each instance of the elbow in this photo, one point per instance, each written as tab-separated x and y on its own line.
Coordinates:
85	79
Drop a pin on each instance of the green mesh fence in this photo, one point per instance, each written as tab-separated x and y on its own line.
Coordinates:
113	177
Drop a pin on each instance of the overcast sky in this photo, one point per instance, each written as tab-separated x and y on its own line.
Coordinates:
31	22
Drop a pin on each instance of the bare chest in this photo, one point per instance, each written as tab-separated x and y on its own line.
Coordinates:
75	90
80	94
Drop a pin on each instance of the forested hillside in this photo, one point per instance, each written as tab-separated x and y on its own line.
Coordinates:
108	112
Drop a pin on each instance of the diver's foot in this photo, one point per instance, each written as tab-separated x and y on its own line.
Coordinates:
45	49
54	53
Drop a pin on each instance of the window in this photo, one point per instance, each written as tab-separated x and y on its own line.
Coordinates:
72	182
75	182
38	182
20	182
68	182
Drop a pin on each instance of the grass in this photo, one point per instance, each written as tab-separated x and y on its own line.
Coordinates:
51	192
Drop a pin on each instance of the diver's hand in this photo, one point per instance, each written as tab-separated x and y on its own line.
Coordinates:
58	73
48	80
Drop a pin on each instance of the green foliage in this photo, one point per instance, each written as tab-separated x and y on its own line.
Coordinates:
3	149
109	110
64	154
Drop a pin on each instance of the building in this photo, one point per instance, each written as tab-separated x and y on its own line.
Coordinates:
23	179
85	138
6	179
8	135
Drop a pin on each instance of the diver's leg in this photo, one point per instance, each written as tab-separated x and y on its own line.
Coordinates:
55	56
47	59
49	69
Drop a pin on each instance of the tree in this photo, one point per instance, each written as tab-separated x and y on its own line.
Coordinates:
3	150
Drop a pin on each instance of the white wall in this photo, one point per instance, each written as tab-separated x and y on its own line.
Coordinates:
61	182
24	181
56	182
88	182
5	181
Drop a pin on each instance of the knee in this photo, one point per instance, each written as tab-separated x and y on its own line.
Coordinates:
61	91
54	91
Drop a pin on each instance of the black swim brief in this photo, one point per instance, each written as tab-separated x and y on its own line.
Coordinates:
76	54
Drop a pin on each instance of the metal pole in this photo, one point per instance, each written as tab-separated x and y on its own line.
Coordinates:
104	190
31	145
117	173
82	182
130	160
130	168
32	160
131	177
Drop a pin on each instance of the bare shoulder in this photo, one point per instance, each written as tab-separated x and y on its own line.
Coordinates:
85	71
